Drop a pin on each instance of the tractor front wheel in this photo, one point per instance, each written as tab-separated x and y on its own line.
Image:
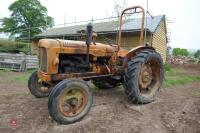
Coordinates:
143	77
70	101
36	87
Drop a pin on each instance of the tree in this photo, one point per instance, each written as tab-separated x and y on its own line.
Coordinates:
197	54
179	51
28	18
118	7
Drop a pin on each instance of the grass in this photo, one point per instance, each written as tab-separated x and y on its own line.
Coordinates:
176	76
4	70
19	78
181	80
174	72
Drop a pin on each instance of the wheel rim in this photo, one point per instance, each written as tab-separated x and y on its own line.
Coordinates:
72	101
41	87
149	78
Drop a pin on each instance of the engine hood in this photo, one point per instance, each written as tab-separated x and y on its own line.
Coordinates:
97	49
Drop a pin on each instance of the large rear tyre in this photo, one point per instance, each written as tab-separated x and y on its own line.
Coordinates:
70	101
143	77
36	87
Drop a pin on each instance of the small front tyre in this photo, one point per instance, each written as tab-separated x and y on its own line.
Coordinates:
70	101
36	87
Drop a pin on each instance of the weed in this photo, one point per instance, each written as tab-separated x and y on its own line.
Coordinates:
167	67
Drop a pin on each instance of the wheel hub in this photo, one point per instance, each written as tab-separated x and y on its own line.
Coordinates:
44	89
72	102
145	76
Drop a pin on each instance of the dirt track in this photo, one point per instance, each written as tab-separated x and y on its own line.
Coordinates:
176	110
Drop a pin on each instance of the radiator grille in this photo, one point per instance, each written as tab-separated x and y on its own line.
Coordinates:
43	59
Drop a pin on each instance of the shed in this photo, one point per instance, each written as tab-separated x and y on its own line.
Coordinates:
156	33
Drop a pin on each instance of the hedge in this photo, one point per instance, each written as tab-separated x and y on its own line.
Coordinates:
13	47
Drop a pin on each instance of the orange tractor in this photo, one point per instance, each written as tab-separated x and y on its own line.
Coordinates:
65	66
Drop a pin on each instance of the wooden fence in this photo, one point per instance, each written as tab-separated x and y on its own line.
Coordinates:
30	61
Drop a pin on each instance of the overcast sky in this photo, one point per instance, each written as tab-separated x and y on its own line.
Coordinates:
185	32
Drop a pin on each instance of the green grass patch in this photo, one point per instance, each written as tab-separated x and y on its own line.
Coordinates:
177	76
174	72
167	67
181	80
31	70
4	70
20	79
15	77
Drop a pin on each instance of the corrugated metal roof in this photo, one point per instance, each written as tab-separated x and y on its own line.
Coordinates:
111	26
152	24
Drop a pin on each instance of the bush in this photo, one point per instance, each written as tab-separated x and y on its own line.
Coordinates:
197	54
167	67
179	51
13	47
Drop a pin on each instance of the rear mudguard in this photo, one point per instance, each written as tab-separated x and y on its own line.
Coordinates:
131	54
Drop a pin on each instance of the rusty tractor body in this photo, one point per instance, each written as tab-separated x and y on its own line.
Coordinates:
66	65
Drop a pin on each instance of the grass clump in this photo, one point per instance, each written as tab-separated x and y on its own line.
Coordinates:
177	76
167	67
21	79
180	80
174	72
17	77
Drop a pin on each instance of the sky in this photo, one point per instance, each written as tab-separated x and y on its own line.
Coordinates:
185	31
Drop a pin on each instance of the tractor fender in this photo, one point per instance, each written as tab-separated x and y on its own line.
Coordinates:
131	54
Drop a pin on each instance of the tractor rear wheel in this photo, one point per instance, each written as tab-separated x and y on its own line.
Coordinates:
36	87
143	77
70	101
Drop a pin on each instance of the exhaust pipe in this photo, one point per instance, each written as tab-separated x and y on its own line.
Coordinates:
89	30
